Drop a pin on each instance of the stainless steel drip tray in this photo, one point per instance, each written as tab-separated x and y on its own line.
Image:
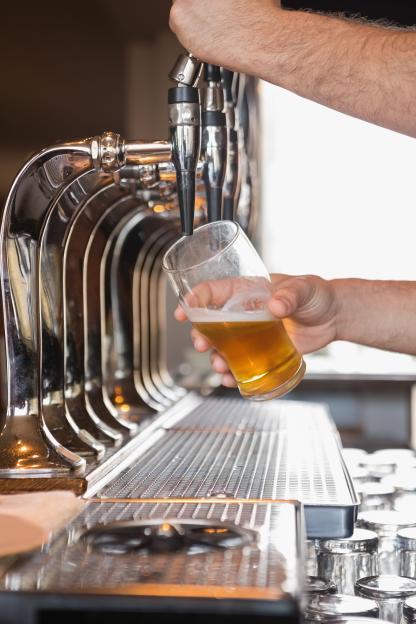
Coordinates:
229	558
235	449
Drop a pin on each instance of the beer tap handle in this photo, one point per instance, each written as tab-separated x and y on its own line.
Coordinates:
214	142
232	170
185	137
186	71
185	133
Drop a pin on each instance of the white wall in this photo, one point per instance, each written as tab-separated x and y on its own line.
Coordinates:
339	200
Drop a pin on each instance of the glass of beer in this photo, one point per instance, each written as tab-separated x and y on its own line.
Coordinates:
224	289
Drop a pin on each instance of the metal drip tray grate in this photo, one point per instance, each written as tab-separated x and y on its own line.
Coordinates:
236	449
265	568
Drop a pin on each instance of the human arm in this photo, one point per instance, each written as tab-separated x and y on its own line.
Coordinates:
363	70
316	312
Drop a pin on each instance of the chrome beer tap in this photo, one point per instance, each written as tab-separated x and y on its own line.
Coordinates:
45	192
214	141
231	184
185	133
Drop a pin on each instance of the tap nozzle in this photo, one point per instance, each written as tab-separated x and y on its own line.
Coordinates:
214	142
185	137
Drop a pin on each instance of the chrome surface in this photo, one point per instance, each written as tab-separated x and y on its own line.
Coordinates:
187	70
214	157
83	356
185	137
213	97
267	567
214	142
26	443
236	449
55	225
389	591
232	178
347	560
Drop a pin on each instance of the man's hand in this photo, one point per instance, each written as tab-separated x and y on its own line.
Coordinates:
216	30
307	305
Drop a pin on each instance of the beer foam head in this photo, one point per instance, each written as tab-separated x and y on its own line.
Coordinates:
202	315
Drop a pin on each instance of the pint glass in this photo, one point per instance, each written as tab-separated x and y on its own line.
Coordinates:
224	288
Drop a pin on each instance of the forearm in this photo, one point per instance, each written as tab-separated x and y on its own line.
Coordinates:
376	313
362	70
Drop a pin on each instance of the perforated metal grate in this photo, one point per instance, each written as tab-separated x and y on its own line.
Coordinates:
268	568
231	447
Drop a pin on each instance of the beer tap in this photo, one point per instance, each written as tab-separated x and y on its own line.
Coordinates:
185	133
214	142
231	184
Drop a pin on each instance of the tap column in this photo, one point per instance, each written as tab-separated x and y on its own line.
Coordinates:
231	183
185	134
214	142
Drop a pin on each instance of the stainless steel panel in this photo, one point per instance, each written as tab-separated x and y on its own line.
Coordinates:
268	568
233	448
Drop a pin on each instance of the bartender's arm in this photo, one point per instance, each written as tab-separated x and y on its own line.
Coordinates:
316	312
364	70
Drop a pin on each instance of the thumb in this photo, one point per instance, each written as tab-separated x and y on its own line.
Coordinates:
289	297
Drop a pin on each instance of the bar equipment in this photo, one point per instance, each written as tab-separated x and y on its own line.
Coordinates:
238	449
171	477
344	561
214	141
185	558
334	607
185	133
406	543
232	175
386	524
389	592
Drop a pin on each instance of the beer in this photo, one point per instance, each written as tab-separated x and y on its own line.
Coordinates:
256	348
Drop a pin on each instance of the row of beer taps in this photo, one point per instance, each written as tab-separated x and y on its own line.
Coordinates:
206	130
81	242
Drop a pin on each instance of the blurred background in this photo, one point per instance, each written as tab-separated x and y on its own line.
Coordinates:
337	193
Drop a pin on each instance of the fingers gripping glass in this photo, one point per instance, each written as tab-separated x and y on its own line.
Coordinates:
224	288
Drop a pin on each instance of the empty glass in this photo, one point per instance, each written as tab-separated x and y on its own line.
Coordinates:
386	524
224	289
333	607
344	561
389	591
406	544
